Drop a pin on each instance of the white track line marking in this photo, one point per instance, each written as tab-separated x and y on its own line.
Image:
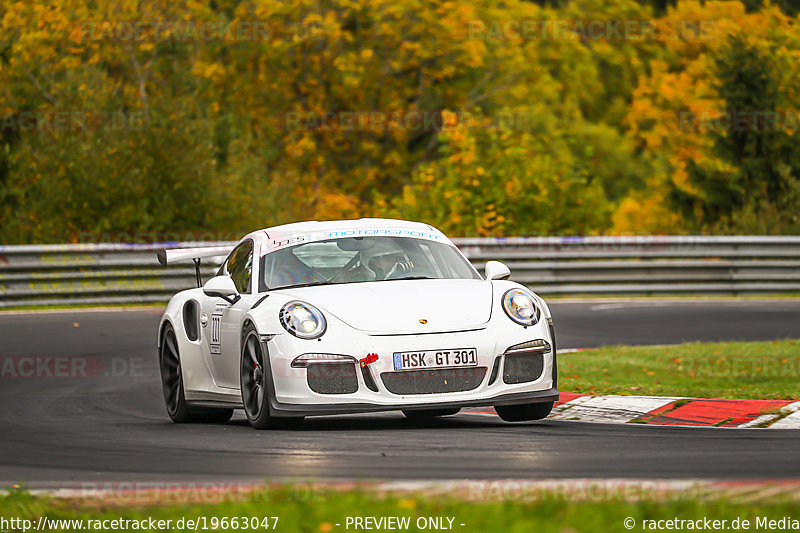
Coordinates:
627	305
758	421
790	422
794	423
610	409
623	409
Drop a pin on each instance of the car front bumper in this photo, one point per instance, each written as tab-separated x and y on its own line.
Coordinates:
291	395
289	410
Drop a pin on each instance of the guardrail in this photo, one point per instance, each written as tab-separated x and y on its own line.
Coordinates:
96	274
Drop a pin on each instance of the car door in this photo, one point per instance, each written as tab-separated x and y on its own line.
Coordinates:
223	321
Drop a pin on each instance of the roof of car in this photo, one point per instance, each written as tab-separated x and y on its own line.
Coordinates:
279	236
361	223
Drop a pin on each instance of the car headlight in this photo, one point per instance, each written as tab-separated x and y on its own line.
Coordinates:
520	307
303	320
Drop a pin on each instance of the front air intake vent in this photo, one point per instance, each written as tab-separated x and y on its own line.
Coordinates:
332	378
434	381
523	368
525	362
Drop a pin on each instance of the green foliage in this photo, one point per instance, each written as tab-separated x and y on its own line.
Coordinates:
758	190
484	126
493	180
157	177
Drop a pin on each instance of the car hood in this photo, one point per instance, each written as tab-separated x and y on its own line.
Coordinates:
404	306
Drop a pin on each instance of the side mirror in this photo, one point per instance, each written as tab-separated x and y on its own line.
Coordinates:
222	287
496	270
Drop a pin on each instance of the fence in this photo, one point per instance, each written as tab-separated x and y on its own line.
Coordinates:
95	274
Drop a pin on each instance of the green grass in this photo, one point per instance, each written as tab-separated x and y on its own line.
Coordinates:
320	512
747	370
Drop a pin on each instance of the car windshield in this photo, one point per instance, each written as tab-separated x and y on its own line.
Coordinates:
362	259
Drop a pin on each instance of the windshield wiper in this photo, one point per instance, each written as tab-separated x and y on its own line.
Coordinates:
317	283
300	285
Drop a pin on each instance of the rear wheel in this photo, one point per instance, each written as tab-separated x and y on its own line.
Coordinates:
254	383
427	414
178	408
525	411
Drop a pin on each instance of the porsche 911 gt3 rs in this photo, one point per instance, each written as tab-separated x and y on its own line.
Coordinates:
352	316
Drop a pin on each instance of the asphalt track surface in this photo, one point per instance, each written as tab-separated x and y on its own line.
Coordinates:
111	426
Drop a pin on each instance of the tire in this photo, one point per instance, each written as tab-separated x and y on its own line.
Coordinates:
427	414
525	411
255	384
178	408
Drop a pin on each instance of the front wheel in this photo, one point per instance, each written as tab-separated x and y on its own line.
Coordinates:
254	382
525	411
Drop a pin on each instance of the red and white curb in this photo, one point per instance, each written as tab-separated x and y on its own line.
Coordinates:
674	411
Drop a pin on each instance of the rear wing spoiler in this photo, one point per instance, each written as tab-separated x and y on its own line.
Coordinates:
168	257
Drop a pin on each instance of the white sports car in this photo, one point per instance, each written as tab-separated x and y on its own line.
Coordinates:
319	318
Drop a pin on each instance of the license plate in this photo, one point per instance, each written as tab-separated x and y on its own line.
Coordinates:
435	359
